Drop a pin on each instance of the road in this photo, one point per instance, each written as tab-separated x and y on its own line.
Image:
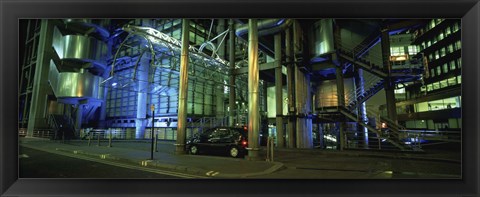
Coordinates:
39	164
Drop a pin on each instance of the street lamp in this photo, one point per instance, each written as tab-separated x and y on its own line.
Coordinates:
153	131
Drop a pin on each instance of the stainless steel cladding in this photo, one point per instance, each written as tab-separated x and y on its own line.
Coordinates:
322	36
326	93
71	84
79	47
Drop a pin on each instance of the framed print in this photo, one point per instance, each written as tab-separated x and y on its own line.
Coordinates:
227	98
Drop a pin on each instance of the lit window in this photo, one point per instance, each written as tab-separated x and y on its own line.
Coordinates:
436	86
459	79
459	63
443	83
452	81
440	36
439	70
429	87
450	48
412	50
397	51
447	31
432	72
452	65
442	52
445	68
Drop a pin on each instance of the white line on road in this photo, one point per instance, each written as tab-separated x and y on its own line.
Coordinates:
157	171
23	156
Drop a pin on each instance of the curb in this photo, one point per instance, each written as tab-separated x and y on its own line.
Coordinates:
159	164
144	163
189	169
277	166
350	154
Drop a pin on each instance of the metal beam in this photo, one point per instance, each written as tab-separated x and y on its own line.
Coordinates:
265	66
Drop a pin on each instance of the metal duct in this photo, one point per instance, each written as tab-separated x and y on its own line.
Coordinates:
326	93
79	47
322	36
265	27
75	85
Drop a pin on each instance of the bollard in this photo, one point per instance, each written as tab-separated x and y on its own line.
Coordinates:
268	150
98	139
89	138
110	139
156	142
270	145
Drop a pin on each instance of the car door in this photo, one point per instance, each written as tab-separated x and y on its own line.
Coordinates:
217	140
202	143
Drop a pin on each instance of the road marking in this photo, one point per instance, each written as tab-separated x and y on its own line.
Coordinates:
134	167
212	173
23	156
145	162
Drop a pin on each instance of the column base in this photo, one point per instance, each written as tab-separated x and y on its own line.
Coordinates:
180	149
253	155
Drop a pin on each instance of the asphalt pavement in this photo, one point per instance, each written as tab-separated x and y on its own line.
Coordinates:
287	163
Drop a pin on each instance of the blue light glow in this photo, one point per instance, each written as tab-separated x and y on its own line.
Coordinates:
114	84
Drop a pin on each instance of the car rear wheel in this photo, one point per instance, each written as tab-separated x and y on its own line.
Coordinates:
194	150
234	152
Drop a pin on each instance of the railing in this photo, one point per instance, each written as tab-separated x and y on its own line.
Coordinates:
43	133
384	135
371	85
409	68
388	121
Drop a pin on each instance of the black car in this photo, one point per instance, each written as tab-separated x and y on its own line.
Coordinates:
219	140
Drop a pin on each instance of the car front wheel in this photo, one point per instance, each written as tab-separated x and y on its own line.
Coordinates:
194	150
234	152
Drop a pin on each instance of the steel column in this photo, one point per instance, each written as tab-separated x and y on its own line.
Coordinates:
290	89
38	113
220	44
361	109
253	90
302	96
341	101
279	90
389	83
182	90
142	77
231	51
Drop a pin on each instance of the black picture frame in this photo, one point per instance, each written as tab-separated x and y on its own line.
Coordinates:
11	11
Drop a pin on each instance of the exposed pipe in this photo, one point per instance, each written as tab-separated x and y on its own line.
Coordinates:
265	27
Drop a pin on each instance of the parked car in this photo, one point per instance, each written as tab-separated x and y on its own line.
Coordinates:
220	140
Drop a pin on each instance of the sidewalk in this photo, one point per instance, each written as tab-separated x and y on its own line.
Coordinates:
138	153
